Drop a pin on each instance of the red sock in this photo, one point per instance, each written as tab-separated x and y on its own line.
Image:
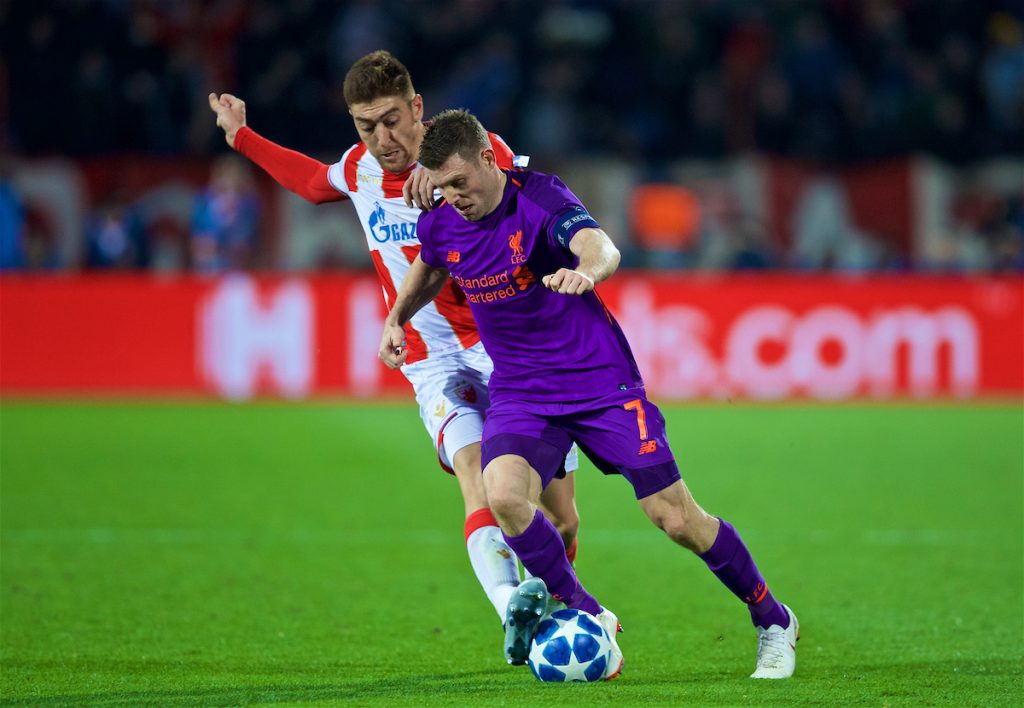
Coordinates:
478	520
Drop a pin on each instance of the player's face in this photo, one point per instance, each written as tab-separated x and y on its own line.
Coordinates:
473	187
392	128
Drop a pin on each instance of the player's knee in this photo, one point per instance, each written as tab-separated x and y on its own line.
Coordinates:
677	526
505	502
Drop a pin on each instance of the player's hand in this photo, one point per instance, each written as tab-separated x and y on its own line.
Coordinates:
418	190
393	351
230	114
568	282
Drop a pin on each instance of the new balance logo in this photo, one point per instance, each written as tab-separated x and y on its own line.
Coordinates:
648	446
454	256
523	277
439	411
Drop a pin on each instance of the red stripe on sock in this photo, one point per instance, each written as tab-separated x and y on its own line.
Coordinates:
570	552
478	520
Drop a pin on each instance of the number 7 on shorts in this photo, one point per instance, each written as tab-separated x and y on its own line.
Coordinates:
641	419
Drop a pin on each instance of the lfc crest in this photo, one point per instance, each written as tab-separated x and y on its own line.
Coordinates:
515	242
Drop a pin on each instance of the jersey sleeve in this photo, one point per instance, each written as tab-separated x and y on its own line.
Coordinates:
292	170
428	253
568	215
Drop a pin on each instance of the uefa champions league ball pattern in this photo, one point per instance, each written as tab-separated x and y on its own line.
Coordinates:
570	646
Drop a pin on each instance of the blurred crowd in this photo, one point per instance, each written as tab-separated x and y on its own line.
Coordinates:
828	79
830	82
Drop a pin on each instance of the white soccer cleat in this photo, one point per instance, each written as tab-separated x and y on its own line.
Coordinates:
776	649
610	622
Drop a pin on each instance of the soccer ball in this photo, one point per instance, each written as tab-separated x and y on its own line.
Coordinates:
570	645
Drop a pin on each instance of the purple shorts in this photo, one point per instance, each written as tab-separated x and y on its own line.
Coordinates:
622	433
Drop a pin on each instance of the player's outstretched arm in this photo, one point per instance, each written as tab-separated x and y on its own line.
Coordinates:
292	170
421	284
599	258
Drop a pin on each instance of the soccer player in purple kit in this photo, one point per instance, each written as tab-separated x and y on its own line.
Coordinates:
447	367
527	254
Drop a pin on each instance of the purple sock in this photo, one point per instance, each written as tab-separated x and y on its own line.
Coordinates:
542	552
730	560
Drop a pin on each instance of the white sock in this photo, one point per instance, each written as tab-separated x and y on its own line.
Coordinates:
495	565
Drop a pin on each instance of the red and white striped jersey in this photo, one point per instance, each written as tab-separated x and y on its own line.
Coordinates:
390	228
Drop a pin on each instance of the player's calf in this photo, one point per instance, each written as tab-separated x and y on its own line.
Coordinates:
674	511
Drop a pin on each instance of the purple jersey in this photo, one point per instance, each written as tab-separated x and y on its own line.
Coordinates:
546	347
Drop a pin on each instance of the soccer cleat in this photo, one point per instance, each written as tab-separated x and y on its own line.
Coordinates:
610	622
776	649
525	609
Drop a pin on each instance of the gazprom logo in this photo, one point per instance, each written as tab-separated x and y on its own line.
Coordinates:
384	232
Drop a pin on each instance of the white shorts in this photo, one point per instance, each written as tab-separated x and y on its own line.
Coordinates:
451	390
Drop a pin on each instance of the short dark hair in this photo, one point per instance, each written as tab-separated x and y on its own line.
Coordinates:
449	132
376	75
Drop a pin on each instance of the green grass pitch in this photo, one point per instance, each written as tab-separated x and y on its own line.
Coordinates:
216	554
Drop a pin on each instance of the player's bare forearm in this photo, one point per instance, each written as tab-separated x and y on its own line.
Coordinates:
421	284
598	259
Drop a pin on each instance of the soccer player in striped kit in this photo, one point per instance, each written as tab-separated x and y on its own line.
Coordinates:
528	255
445	362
